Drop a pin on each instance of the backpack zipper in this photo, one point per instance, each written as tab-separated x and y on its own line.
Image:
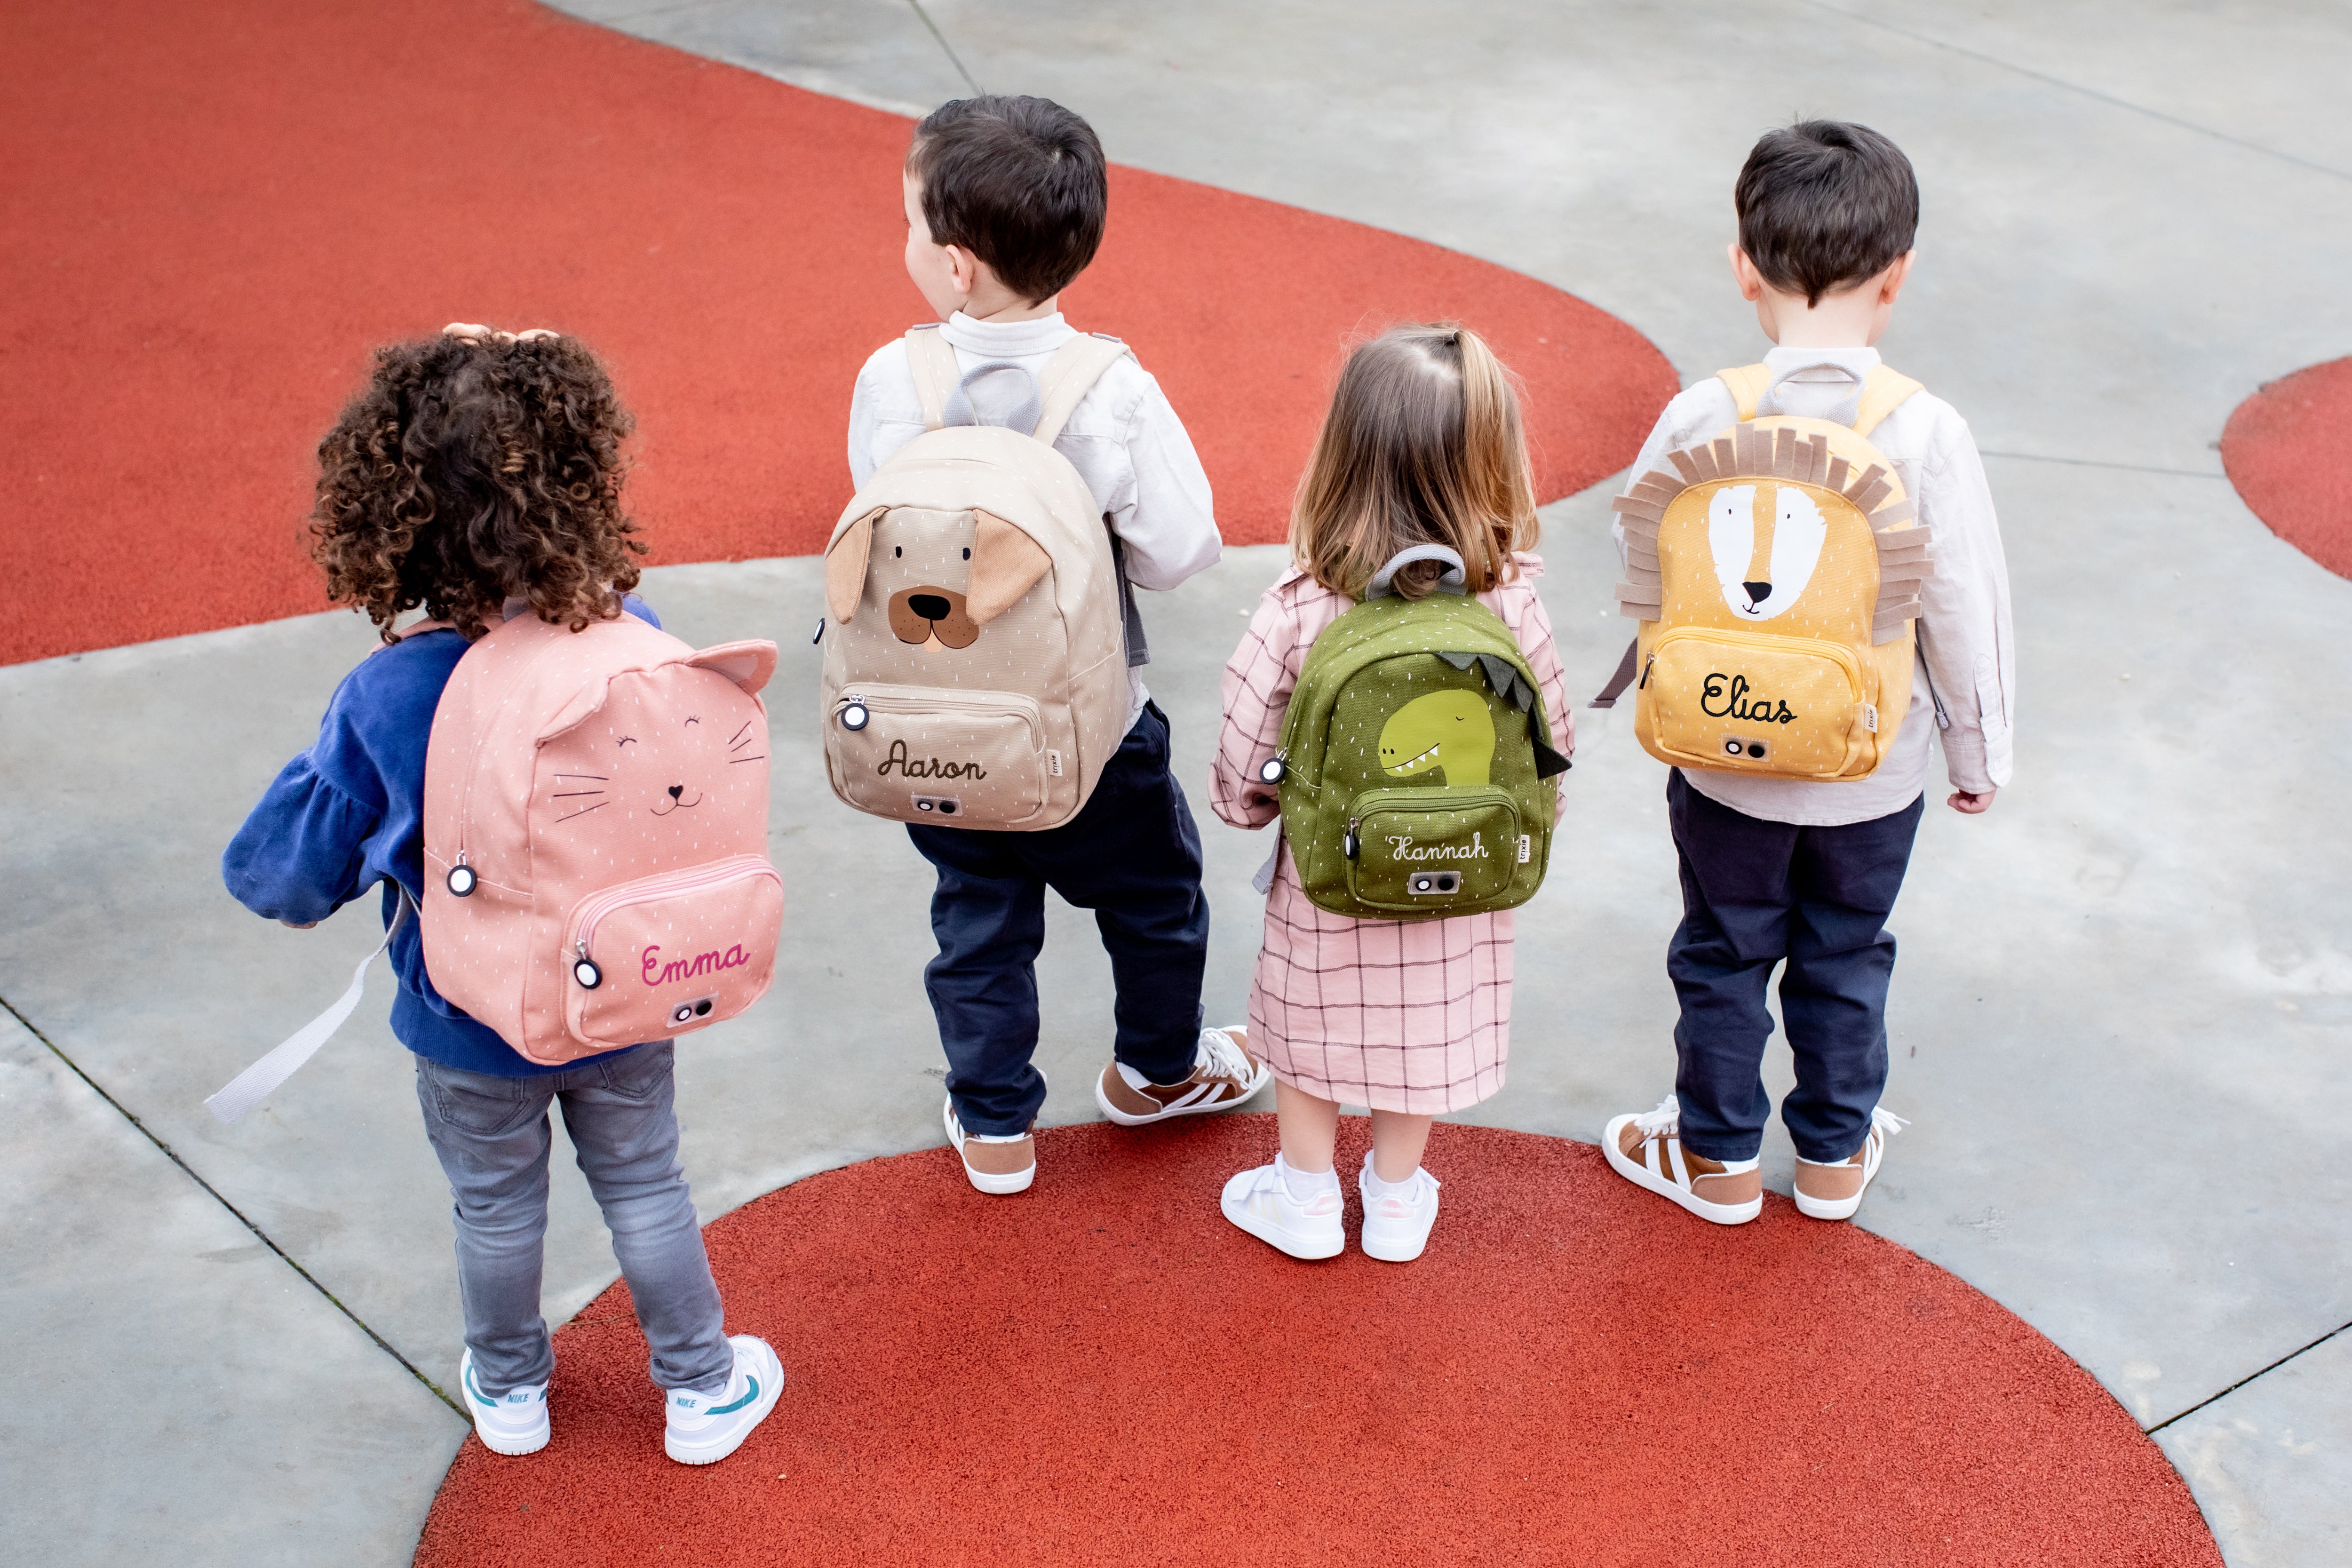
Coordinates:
697	880
1645	672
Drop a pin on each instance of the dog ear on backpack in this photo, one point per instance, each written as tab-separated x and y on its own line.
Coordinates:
748	664
1005	565
845	567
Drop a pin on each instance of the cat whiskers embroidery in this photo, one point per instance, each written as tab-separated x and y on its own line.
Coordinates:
570	793
743	737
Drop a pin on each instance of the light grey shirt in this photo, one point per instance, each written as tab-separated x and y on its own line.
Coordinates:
1124	439
1964	687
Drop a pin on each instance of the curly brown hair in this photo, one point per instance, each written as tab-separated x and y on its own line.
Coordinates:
471	472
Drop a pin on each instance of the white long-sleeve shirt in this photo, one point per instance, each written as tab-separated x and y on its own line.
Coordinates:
1124	439
1964	684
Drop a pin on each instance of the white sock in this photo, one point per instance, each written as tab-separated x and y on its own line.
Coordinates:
1375	1189
1734	1167
1303	1185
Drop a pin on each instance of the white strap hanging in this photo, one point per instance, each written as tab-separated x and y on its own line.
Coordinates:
257	1082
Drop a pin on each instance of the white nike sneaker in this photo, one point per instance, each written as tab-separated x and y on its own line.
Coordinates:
1259	1201
516	1423
1396	1227
707	1427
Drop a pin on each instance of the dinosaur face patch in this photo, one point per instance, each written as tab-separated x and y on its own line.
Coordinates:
1452	730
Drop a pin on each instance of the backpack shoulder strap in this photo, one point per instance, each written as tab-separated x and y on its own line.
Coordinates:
1069	376
1882	392
1747	385
933	361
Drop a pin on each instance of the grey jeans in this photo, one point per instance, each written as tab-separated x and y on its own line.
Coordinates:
493	1137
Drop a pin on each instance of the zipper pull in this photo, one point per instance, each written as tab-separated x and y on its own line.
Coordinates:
584	968
461	876
1645	672
1349	844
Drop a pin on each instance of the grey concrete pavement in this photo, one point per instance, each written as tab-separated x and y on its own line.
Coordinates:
2124	995
177	1394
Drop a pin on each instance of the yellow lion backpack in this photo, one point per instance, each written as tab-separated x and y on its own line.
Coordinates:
1775	571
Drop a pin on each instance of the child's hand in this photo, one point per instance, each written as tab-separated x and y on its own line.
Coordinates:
1971	802
474	332
299	925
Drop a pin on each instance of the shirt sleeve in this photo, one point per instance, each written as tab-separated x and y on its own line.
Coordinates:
1167	517
1533	629
1965	640
862	463
302	853
1257	684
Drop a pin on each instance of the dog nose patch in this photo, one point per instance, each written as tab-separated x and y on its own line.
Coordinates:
930	606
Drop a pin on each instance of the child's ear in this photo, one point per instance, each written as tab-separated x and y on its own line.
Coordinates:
845	567
1005	565
748	664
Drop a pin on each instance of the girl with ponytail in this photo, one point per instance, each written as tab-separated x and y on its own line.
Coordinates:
1423	445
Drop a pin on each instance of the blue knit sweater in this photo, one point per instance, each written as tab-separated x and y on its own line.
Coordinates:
349	813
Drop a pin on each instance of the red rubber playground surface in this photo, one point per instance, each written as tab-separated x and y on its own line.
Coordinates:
2288	449
1102	1370
215	209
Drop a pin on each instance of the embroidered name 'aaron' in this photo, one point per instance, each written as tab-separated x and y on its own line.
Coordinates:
657	972
1716	701
1401	849
926	767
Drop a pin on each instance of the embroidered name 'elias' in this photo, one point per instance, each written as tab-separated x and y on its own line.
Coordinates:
926	767
1401	849
656	972
1737	704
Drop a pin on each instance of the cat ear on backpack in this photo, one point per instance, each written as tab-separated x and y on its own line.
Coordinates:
1005	565
845	566
748	664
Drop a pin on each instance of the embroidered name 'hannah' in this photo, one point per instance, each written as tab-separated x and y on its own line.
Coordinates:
656	972
926	767
1401	849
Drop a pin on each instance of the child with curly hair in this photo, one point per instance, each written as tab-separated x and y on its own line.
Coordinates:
478	477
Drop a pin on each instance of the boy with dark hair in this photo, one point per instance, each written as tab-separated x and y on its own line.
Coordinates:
1778	870
1005	202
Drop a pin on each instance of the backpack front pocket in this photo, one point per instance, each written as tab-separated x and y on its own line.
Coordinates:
1427	851
1755	702
656	957
923	753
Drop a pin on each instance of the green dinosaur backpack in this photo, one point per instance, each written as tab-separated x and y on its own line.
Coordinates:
1416	769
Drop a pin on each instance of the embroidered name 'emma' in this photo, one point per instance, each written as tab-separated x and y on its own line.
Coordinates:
926	767
657	972
1717	702
1401	849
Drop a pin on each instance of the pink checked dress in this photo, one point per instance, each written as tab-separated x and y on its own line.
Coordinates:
1415	1016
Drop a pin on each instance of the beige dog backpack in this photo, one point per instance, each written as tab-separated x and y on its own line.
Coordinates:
976	657
1775	570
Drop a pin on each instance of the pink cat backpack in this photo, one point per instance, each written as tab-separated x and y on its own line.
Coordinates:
595	836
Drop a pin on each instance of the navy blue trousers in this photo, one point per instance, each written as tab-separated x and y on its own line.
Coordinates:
1757	894
1132	854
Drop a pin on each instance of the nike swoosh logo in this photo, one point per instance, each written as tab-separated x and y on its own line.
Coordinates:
731	1409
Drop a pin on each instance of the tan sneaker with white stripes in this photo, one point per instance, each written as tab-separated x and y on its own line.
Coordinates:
1833	1191
1224	1074
997	1165
1647	1151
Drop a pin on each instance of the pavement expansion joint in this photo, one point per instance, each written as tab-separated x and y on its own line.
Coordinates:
2252	1376
2090	93
215	1194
